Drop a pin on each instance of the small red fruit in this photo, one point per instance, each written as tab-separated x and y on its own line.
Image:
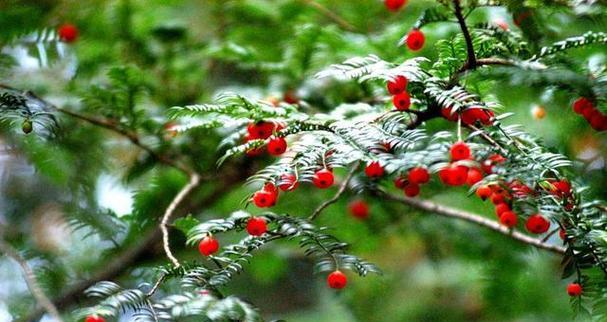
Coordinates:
483	192
598	121
477	114
400	182
449	114
288	182
323	179
497	198
508	219
264	199
460	151
359	209
562	188
398	85
488	164
581	104
419	175
589	112
416	39
574	289
290	97
501	208
474	175
537	224
277	146
337	280
411	190
454	175
374	170
402	101
394	5
256	226
94	318
260	130
562	233
208	246
68	33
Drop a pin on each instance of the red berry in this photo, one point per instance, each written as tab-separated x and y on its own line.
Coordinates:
488	164
581	104
415	40
260	130
508	219
497	198
288	182
277	146
477	114
474	175
562	233
419	175
411	190
589	112
94	318
290	97
374	170
562	188
501	208
208	246
256	226
68	33
337	280
460	151
574	289
519	189
402	101
454	175
483	192
394	5
598	122
359	209
264	199
400	182
398	85
449	114
323	179
537	224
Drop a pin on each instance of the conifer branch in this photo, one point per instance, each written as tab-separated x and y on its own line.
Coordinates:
30	280
462	23
432	207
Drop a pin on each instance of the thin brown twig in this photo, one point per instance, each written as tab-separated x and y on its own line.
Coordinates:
432	207
191	185
30	279
462	23
331	15
340	191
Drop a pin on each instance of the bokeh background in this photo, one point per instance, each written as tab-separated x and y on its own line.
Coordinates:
75	200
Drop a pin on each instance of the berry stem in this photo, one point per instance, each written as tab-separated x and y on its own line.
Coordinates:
340	191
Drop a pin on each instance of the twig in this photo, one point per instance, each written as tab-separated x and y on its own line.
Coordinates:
487	138
473	218
330	14
340	191
193	183
462	23
30	279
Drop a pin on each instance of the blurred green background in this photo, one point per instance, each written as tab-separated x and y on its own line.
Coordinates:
185	52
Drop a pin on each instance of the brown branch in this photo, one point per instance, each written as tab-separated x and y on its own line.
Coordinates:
432	207
330	14
462	23
340	191
185	191
31	281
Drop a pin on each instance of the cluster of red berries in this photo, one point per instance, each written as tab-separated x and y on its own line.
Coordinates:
411	184
68	33
394	5
94	318
456	174
470	116
256	226
398	88
263	130
595	118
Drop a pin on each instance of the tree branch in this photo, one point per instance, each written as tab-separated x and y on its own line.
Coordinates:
462	23
331	15
30	279
340	191
192	184
473	218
